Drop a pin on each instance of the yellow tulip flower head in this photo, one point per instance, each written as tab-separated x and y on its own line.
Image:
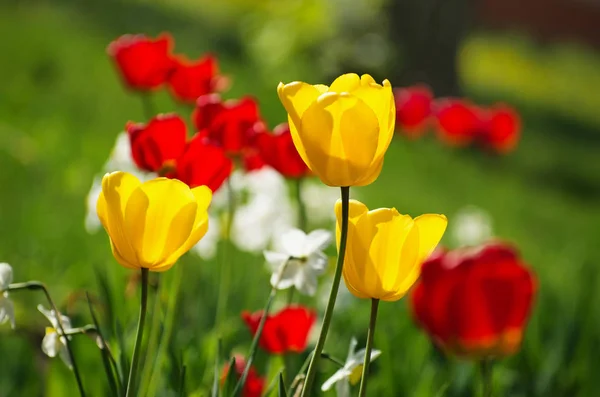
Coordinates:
343	131
385	249
151	224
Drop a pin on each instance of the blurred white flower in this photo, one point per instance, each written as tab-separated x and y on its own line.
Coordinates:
7	310
471	226
303	258
319	200
53	343
351	372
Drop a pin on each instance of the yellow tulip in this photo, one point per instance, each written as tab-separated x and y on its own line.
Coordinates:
151	224
385	249
343	131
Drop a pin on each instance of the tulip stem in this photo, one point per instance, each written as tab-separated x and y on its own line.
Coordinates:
225	268
302	219
485	366
36	285
138	339
365	371
148	107
312	368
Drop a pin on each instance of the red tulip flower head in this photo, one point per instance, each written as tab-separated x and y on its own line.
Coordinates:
143	63
207	108
157	145
458	121
502	130
254	385
191	79
278	151
413	109
286	331
475	302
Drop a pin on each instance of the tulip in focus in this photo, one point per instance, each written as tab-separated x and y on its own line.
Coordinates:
192	79
475	302
284	332
151	224
413	109
254	385
278	151
7	310
343	131
143	63
386	249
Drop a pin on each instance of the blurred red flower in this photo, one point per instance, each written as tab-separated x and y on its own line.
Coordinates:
252	160
458	121
143	63
155	146
475	302
503	129
207	108
286	331
191	79
254	383
413	109
278	151
202	164
232	128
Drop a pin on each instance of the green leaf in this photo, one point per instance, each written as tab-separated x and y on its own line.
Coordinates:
215	385
282	392
230	380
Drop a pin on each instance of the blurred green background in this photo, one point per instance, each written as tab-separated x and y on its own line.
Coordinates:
62	106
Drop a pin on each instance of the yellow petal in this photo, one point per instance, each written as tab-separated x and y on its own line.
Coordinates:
339	133
380	99
373	174
345	83
159	219
408	266
117	188
431	230
355	210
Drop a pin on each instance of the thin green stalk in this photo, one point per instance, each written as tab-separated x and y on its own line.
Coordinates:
365	371
485	366
131	386
153	340
36	285
312	369
225	268
302	218
300	375
148	106
334	360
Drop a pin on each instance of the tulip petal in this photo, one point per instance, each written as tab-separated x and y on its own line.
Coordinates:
117	188
345	83
340	138
355	210
409	265
159	218
431	230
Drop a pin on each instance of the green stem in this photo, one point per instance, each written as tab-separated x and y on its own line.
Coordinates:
148	106
138	339
225	273
302	218
334	360
365	372
486	377
312	369
153	340
36	285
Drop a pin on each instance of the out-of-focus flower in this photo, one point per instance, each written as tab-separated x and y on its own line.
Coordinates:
252	160
255	384
151	224
202	164
232	127
143	63
475	302
343	131
278	151
192	79
351	372
413	109
7	310
54	343
385	249
156	146
284	332
303	258
458	122
503	129
207	108
471	226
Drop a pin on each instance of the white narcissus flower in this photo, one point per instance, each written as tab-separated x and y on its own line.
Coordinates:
351	372
53	343
7	310
303	258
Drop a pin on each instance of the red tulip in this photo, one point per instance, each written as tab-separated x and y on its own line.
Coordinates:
207	108
279	152
232	128
191	80
202	164
475	302
503	129
254	385
286	331
458	122
413	109
252	161
143	63
155	146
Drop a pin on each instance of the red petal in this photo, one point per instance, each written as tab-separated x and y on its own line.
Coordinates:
278	151
207	108
232	128
255	384
191	80
504	128
458	122
413	109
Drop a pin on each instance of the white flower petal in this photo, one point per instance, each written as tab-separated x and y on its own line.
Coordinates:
339	375
275	260
287	277
64	355
51	344
6	276
358	357
317	240
317	262
306	281
7	310
342	388
51	316
352	348
293	243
